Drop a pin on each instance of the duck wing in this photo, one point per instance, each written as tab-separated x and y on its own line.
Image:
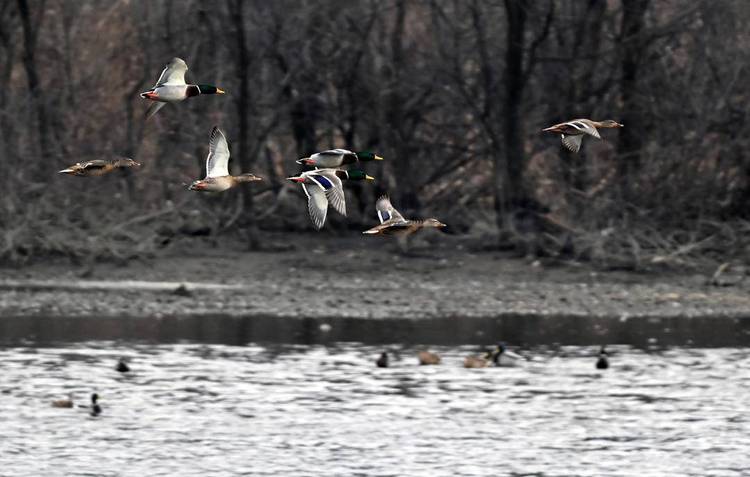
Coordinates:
173	73
317	203
217	162
386	211
584	126
153	108
333	187
572	143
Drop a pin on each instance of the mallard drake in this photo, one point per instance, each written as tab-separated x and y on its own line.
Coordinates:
572	131
428	358
171	87
65	403
122	366
322	186
382	361
217	167
337	158
603	361
504	357
99	167
393	223
95	408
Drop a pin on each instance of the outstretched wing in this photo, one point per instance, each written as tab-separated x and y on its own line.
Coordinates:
317	204
217	163
333	187
572	143
585	127
386	211
173	73
153	108
335	152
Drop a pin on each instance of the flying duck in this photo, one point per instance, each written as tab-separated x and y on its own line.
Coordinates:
98	167
217	167
337	158
322	186
171	87
572	131
393	223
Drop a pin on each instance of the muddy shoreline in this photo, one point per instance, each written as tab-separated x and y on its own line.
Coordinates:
325	288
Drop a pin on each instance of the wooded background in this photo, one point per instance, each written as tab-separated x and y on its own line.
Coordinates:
453	93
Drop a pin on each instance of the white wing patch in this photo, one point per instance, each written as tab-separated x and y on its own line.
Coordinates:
217	162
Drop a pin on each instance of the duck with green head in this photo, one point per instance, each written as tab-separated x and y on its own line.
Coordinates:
337	158
322	186
504	357
217	177
172	88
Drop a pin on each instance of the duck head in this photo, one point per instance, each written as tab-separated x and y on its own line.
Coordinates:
353	175
434	223
368	156
610	123
209	89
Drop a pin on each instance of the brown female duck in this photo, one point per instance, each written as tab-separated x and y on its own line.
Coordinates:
217	177
393	223
572	131
98	167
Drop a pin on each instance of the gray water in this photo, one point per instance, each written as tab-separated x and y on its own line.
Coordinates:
218	410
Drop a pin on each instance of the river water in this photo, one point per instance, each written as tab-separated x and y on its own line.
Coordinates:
199	410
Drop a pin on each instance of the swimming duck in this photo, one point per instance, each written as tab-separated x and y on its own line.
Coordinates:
65	403
217	167
171	87
122	366
478	361
428	358
572	131
393	223
322	186
98	167
96	409
603	361
382	361
504	357
337	158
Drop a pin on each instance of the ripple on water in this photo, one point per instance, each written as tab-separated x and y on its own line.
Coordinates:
296	410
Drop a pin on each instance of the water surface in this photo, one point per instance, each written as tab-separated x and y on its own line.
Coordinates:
219	410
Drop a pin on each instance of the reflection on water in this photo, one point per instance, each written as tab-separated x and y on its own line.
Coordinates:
312	410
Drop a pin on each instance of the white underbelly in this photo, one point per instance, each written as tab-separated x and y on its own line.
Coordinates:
171	93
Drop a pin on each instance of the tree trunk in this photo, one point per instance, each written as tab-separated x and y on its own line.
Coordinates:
32	76
243	151
514	195
631	136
